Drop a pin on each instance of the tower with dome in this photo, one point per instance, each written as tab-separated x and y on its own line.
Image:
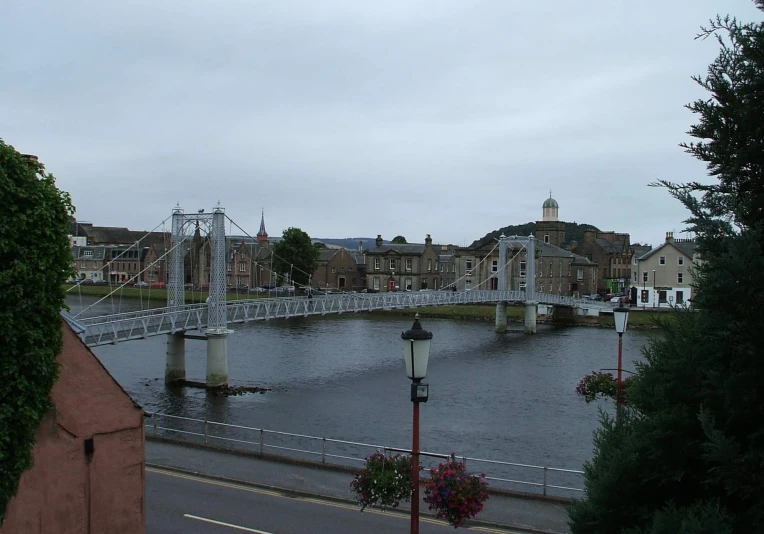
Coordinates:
549	229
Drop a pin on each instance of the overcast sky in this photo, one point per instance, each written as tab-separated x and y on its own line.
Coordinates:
351	118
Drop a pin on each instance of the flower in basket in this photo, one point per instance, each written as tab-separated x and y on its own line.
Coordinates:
455	494
384	482
598	384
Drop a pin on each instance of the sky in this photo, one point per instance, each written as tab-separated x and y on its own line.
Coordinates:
350	119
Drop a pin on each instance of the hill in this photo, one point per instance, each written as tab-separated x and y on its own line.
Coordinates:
573	232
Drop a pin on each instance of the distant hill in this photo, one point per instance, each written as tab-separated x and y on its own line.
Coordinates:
573	232
350	243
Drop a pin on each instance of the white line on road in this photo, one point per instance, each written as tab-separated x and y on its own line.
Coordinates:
229	525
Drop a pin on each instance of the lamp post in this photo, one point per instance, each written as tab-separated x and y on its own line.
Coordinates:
653	288
621	317
416	352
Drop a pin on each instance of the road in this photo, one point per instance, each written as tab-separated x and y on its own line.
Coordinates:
189	504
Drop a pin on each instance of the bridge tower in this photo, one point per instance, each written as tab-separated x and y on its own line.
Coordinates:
501	306
531	305
216	332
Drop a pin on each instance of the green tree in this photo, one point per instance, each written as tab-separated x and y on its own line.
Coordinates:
295	254
687	455
35	260
399	240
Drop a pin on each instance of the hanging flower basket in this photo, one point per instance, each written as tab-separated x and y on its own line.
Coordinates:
600	385
384	482
454	494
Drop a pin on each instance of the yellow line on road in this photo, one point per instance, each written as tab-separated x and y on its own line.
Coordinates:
314	500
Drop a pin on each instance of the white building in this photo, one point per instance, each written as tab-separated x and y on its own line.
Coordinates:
662	276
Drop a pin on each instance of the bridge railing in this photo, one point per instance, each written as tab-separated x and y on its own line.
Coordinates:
506	475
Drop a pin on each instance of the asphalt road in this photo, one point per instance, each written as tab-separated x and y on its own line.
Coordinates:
188	504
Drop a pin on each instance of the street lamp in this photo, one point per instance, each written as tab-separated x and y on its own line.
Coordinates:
653	288
416	352
621	316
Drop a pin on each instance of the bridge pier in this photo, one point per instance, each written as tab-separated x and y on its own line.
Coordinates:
530	316
501	317
217	358
175	367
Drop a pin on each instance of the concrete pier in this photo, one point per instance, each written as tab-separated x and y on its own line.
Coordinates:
217	358
501	317
530	317
175	367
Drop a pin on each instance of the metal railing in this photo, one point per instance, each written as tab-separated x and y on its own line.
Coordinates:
551	481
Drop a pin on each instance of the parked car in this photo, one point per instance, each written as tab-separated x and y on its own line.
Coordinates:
142	284
257	290
158	285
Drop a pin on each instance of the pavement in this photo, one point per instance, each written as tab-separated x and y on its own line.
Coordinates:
302	479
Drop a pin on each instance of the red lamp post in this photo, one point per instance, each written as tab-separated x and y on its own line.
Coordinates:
621	316
416	352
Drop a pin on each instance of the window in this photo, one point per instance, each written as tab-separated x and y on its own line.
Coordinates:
408	284
376	283
635	276
662	297
523	265
84	265
635	260
662	260
392	265
522	286
644	276
429	266
580	274
546	238
680	260
95	265
376	265
680	278
334	270
494	283
88	253
229	268
242	267
342	269
467	285
468	266
408	264
679	297
441	267
494	266
453	267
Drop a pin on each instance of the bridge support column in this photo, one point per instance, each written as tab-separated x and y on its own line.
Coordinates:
501	317
217	358
175	368
530	316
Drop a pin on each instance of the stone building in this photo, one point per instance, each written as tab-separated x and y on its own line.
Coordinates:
613	253
403	267
339	269
558	271
88	473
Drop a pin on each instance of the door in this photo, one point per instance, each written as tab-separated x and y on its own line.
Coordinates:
341	282
391	285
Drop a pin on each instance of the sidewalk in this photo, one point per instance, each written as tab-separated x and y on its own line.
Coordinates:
526	513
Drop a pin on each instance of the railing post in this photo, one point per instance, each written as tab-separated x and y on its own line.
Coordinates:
262	439
545	472
464	461
205	432
154	416
323	451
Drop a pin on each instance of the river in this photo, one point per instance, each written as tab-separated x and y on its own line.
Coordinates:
500	396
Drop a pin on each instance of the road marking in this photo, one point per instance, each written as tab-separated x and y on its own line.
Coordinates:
229	525
242	487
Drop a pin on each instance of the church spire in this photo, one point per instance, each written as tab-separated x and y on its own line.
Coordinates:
262	235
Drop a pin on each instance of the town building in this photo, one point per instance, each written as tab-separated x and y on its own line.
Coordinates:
613	253
558	271
662	277
339	269
403	267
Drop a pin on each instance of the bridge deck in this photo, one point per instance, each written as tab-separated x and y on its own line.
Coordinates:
109	329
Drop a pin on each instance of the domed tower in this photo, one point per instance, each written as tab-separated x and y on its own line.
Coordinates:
549	229
550	209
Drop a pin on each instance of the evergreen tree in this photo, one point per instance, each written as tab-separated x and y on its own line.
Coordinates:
687	455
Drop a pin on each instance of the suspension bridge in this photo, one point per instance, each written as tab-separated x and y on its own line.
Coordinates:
178	320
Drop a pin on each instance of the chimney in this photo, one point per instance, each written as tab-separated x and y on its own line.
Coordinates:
360	246
669	237
589	235
428	240
379	240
